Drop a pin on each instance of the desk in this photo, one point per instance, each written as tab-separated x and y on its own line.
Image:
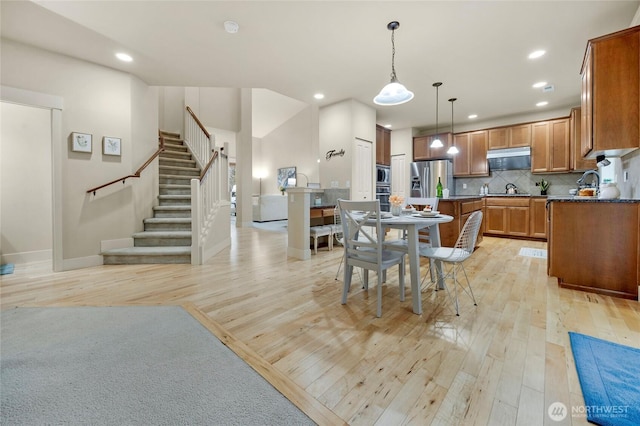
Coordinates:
412	225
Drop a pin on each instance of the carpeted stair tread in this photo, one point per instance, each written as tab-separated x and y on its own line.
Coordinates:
173	208
146	251
162	234
167	220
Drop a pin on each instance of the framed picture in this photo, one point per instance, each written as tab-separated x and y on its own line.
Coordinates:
286	177
110	146
80	142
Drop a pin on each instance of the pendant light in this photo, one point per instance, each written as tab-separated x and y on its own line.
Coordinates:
393	93
437	143
453	150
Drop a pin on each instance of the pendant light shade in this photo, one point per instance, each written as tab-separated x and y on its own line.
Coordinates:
453	150
393	93
437	143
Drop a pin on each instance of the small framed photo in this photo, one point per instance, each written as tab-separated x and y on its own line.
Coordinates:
80	142
110	146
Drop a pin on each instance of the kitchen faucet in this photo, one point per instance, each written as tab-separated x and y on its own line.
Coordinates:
587	173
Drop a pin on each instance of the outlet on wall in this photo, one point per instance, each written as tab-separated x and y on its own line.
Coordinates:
464	186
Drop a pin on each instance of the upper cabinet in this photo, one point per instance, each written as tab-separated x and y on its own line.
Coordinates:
578	162
472	158
383	145
422	147
510	137
610	108
551	146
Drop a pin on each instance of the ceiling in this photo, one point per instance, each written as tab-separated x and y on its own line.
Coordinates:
478	49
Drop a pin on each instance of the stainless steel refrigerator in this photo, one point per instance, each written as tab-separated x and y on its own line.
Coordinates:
425	174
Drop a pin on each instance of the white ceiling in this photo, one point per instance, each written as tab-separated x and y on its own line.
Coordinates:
478	49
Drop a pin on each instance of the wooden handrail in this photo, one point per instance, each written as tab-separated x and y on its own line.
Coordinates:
208	166
137	173
193	114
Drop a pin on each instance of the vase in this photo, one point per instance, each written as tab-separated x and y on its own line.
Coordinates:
543	192
396	209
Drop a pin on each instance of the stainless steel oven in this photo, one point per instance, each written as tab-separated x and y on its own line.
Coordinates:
383	175
382	193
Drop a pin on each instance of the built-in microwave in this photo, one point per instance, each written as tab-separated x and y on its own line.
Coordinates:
383	174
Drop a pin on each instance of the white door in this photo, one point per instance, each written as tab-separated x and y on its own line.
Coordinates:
399	179
362	170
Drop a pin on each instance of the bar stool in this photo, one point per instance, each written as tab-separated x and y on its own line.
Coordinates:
316	232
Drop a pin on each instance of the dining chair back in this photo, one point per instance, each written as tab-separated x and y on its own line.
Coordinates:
363	240
455	256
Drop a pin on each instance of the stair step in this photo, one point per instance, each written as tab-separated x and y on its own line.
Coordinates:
176	154
162	238
174	189
180	171
172	200
147	255
167	224
177	147
172	211
176	179
179	162
170	134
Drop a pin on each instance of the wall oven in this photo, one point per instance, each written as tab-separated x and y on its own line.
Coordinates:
383	175
382	193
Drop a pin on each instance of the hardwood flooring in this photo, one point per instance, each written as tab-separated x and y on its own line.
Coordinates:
500	363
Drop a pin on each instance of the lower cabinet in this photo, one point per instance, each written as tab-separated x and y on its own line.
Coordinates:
523	217
460	210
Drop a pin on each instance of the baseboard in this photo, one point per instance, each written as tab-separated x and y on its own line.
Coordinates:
27	257
116	244
81	262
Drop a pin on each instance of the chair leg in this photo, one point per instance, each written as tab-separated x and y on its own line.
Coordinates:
401	279
348	271
315	245
339	266
469	285
379	301
455	290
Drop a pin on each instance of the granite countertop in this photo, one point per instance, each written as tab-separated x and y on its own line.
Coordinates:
578	199
323	206
460	197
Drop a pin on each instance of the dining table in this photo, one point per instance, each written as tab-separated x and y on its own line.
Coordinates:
412	223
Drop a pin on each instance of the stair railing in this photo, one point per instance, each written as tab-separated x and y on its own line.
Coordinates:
208	192
137	172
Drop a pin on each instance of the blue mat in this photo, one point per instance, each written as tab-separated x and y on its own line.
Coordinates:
6	269
609	376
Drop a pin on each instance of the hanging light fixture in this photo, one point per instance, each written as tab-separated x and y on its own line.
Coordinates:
437	143
393	93
453	150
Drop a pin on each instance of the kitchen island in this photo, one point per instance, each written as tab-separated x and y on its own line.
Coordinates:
594	245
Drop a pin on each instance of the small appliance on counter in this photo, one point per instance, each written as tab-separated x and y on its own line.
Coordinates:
609	191
511	189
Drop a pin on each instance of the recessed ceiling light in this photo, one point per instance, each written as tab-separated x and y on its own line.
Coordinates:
536	54
539	84
388	126
124	57
472	116
231	27
318	96
543	103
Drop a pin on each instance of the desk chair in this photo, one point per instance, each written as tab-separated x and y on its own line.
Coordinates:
363	248
455	256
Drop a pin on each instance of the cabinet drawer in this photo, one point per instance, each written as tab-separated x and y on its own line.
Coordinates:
470	206
327	212
506	201
314	213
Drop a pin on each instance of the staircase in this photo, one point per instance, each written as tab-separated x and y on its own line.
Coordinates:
167	235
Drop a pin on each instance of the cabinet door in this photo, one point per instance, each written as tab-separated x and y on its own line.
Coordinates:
540	147
559	146
578	162
440	153
478	163
496	220
518	221
421	148
498	138
538	213
383	145
520	135
586	106
461	161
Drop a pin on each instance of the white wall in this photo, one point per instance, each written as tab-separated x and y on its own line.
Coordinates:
25	210
102	102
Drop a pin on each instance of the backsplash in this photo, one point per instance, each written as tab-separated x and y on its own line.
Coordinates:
560	184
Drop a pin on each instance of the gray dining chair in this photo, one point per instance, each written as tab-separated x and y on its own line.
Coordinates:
455	257
363	241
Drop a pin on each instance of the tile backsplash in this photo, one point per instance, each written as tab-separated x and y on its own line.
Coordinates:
524	180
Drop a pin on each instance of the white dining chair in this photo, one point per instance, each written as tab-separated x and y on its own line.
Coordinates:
455	257
363	247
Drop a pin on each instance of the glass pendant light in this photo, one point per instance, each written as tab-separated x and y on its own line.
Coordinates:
437	143
453	150
393	93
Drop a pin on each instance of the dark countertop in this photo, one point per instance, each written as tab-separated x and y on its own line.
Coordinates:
461	197
323	206
578	199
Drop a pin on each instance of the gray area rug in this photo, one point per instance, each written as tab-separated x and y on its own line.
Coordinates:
128	366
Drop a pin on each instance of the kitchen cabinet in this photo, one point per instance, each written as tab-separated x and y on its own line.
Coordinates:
472	158
383	145
595	246
551	146
507	216
422	147
578	162
510	137
460	210
538	215
610	83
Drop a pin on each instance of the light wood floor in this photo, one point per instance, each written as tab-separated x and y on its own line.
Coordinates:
500	363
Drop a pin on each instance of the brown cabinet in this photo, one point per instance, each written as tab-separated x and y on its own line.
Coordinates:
472	158
508	216
422	147
595	246
538	214
383	145
510	137
551	146
460	210
610	79
578	162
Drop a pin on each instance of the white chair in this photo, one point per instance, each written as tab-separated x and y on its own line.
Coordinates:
455	256
363	246
337	234
316	232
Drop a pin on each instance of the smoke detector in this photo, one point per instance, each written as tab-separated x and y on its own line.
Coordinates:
231	27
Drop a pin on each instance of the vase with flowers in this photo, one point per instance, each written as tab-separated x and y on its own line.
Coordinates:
396	204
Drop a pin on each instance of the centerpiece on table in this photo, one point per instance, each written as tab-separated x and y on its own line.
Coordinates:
396	204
